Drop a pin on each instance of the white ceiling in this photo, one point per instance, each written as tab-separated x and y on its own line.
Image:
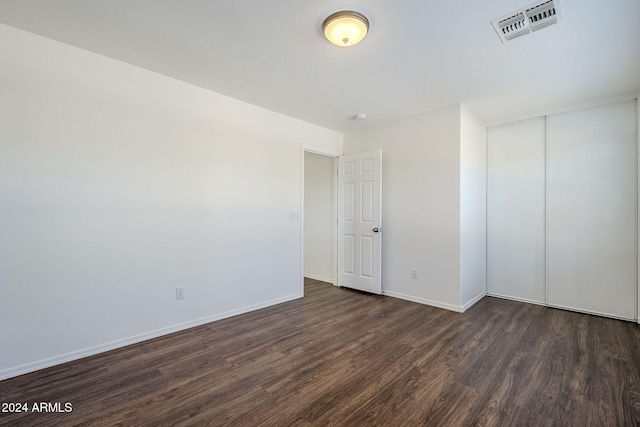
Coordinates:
419	55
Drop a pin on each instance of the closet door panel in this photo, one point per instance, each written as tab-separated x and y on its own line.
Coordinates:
516	210
591	210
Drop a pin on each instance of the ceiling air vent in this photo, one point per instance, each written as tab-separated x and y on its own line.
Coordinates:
528	19
542	15
514	26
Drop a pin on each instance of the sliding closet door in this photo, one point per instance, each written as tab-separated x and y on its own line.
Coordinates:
516	210
591	210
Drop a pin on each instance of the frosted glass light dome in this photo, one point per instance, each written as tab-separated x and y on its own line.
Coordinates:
345	28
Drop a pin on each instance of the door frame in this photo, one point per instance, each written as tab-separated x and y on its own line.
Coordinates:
638	208
306	148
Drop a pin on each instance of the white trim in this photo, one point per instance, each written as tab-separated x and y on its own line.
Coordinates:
320	278
90	351
638	208
335	221
545	211
302	150
486	210
437	304
564	109
473	300
525	300
320	150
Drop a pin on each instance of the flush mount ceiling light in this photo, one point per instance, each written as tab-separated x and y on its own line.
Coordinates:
345	28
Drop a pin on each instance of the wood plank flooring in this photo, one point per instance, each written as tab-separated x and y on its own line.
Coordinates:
342	358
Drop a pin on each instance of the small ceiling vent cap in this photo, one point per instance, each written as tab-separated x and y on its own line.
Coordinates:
528	19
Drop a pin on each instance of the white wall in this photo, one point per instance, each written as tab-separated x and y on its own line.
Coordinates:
117	185
421	204
473	207
434	205
319	217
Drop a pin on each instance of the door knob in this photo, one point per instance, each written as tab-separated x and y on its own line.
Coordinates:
375	230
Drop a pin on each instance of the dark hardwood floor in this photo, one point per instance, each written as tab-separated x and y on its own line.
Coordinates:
339	357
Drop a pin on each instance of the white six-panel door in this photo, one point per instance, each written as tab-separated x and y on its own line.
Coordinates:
359	221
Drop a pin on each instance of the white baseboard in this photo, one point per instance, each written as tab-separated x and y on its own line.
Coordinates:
101	348
320	278
473	300
451	307
528	301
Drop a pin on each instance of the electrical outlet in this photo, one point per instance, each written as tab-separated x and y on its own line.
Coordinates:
414	273
180	293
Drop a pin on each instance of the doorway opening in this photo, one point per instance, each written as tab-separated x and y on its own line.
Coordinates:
319	218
